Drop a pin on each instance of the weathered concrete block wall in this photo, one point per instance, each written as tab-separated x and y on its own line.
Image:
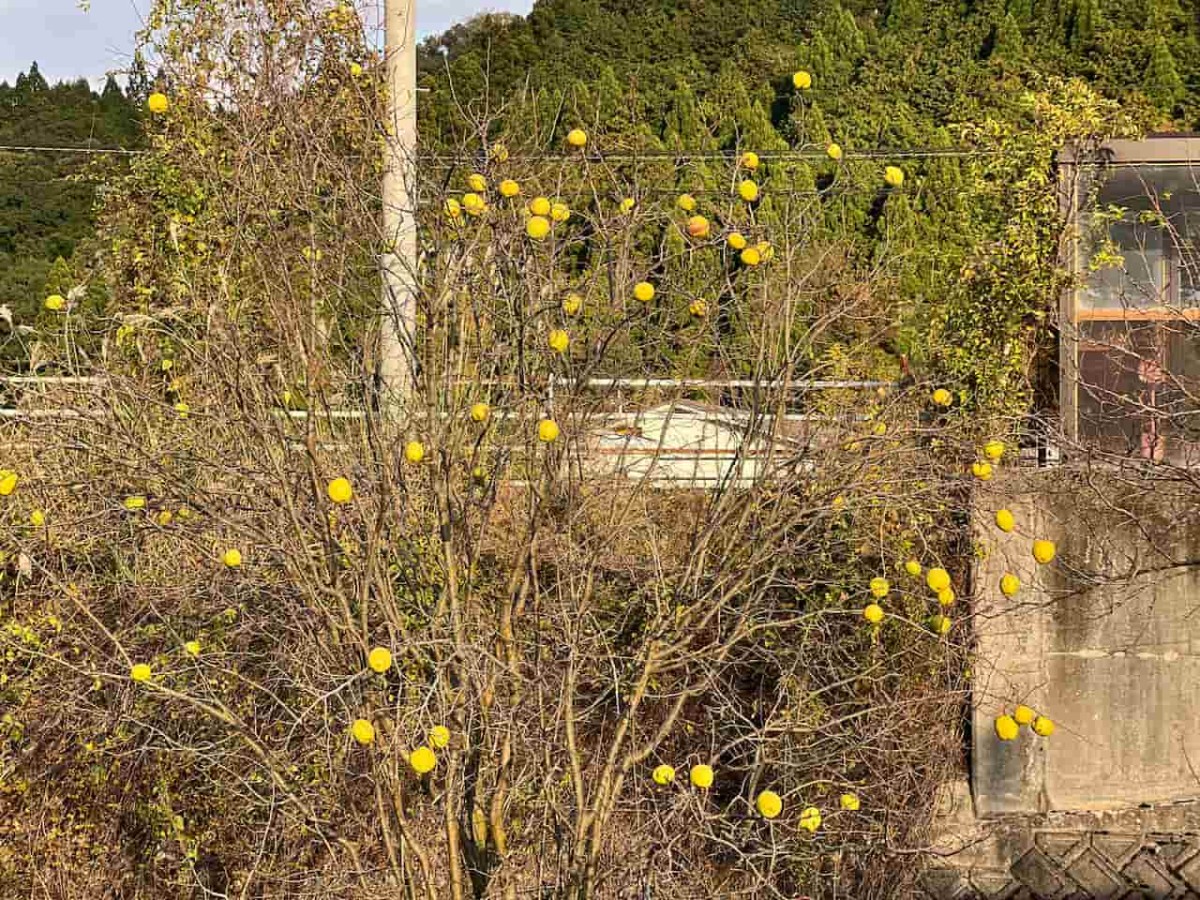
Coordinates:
1105	640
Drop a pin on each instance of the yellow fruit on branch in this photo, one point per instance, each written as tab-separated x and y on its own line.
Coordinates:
849	802
940	624
158	103
363	732
192	648
1005	520
982	470
626	206
232	558
697	227
736	240
509	188
477	182
414	452
55	303
810	819
137	501
423	760
880	587
769	805
480	412
571	304
698	308
453	210
686	202
474	204
994	450
913	568
946	596
750	257
873	613
748	191
577	138
8	482
643	291
766	252
1006	728
340	490
1024	715
749	160
379	660
560	212
834	152
701	776
942	397
439	737
1043	726
937	579
140	672
801	80
548	431
558	340
1009	584
539	206
893	176
663	774
537	227
1044	551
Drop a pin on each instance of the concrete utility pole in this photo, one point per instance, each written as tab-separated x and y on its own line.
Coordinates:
399	259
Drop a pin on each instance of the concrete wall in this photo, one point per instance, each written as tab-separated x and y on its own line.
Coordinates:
1105	640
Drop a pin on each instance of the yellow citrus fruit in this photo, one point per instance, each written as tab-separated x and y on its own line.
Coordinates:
477	182
571	304
1009	584
423	760
1006	728
686	202
363	732
340	490
749	160
379	659
537	227
232	557
643	291
414	452
736	240
499	152
473	204
748	191
1024	715
940	624
480	412
873	613
8	482
577	137
192	648
137	501
810	819
698	308
356	70
560	212
453	210
627	205
439	737
834	152
164	517
539	206
663	774
981	470
559	340
937	579
993	450
701	776
1005	520
37	518
769	804
801	80
849	802
697	227
509	188
140	672
942	397
894	176
750	256
158	103
765	250
548	431
55	302
913	568
880	587
1043	551
946	597
1043	726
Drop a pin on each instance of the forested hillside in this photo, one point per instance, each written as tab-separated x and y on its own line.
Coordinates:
695	74
46	202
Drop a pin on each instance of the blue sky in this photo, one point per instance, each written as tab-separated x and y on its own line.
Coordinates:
68	42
